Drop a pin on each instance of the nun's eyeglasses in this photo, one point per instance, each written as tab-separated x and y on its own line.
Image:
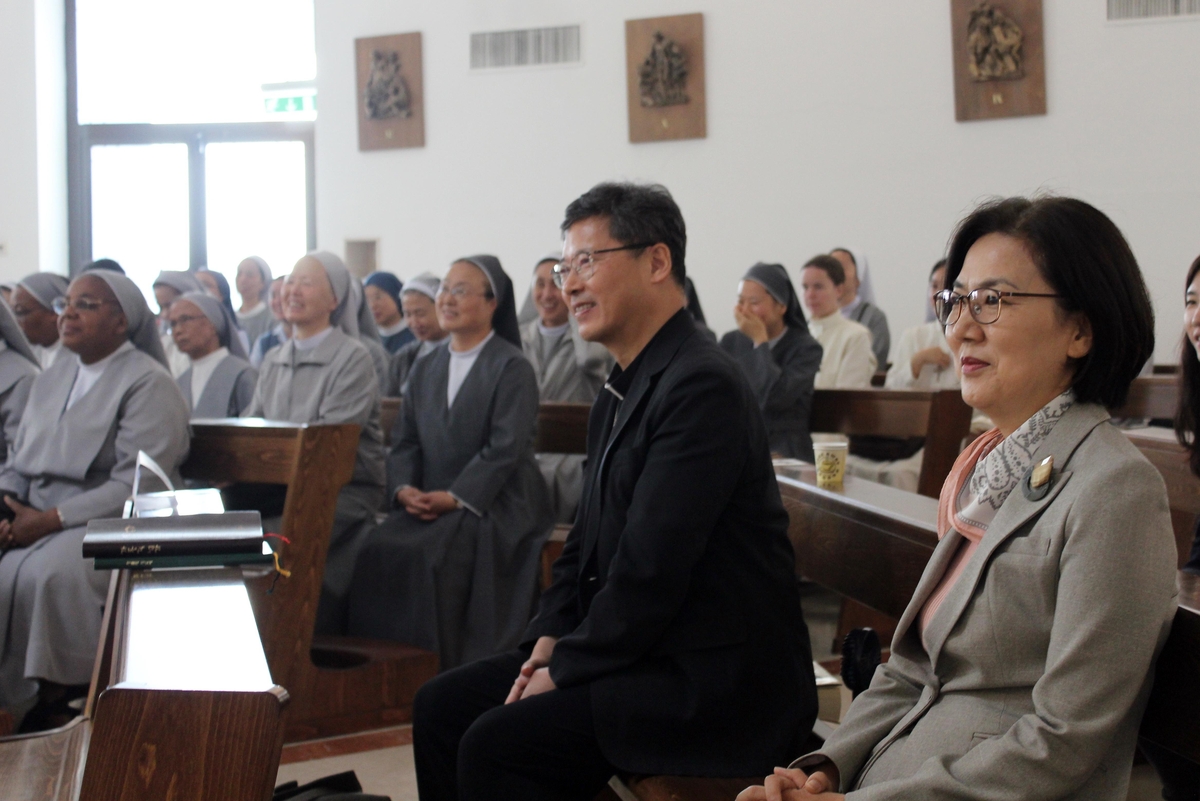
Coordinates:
459	292
984	304
584	263
60	305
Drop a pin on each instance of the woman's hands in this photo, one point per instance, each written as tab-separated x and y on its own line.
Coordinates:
791	784
426	505
28	526
750	325
534	677
935	356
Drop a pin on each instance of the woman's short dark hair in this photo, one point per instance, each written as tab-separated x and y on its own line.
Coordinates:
636	213
832	267
1085	258
1187	416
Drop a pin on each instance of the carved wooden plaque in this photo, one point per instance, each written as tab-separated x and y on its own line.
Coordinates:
664	68
999	59
390	95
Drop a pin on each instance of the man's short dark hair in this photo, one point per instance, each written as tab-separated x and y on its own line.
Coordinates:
832	267
636	213
1085	258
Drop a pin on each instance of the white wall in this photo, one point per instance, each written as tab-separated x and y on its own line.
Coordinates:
33	151
829	122
18	141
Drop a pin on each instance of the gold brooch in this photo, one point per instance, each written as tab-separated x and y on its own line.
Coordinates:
1041	473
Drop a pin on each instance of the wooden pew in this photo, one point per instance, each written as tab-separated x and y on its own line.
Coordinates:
1151	397
337	684
181	704
942	418
1183	488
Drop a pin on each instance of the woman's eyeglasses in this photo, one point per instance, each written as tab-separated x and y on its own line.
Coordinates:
60	305
984	304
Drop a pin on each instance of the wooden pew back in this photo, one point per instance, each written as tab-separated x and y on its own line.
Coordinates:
561	428
1151	397
359	683
942	418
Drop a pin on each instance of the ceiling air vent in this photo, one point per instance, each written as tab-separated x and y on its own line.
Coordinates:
1151	9
525	48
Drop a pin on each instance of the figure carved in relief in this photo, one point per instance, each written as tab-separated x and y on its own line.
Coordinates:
387	94
663	74
994	45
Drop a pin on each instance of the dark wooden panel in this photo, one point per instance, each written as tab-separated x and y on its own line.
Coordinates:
879	412
185	746
1183	488
1151	397
562	428
221	450
1173	713
869	543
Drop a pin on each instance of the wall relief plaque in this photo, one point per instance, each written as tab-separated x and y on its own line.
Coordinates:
663	75
664	60
999	58
390	96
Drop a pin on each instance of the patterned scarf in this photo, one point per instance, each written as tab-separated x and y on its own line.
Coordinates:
983	477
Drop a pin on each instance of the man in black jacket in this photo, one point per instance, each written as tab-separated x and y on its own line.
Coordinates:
671	641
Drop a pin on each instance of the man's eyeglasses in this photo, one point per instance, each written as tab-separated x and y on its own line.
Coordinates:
60	305
984	304
584	263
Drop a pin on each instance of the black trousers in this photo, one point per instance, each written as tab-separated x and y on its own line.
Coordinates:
469	745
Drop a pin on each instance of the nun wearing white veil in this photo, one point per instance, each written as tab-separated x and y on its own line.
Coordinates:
454	567
858	302
71	462
220	381
18	366
324	374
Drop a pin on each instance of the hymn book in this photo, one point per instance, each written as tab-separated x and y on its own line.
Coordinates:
181	536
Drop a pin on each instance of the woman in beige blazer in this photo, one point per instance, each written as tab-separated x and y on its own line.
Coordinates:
1022	666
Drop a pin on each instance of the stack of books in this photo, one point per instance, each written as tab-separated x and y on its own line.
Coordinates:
154	543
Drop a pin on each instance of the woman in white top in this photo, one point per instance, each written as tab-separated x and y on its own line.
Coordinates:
848	362
922	358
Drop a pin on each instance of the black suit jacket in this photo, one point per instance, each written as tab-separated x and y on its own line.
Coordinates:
675	597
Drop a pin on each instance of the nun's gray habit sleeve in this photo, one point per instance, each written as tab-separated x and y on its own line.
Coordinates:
154	419
243	390
404	459
514	423
12	406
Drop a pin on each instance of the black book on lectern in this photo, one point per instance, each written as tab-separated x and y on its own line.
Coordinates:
186	535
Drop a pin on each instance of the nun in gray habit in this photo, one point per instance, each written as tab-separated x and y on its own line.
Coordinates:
334	383
77	455
463	584
220	384
781	371
18	366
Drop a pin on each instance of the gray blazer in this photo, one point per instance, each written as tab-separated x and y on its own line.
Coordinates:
1041	656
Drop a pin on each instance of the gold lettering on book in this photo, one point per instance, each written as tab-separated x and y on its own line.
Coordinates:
137	550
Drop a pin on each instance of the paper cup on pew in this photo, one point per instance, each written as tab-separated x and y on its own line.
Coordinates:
830	458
